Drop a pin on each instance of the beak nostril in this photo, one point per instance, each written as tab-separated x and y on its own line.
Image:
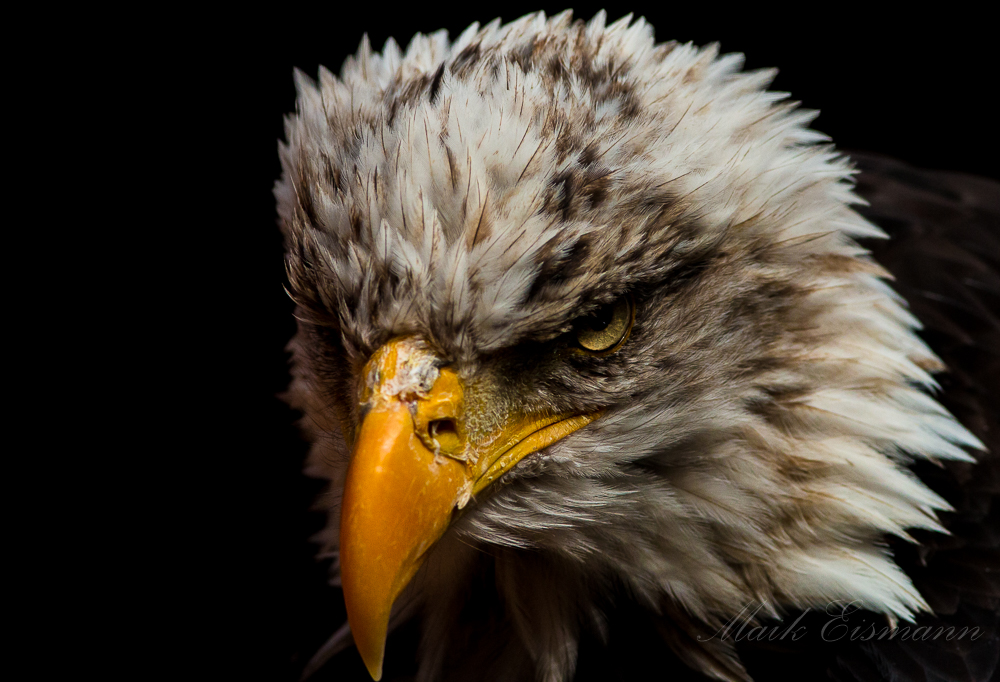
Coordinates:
442	427
444	438
437	416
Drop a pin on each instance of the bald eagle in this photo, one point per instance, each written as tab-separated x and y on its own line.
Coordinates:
588	350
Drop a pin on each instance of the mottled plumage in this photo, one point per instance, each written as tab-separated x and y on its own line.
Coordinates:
757	424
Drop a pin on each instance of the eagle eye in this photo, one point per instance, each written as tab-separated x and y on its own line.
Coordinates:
606	330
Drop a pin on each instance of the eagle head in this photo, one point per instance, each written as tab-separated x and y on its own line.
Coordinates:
589	310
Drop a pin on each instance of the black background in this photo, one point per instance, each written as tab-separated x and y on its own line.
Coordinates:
917	86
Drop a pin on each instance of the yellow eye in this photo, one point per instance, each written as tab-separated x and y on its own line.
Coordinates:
606	330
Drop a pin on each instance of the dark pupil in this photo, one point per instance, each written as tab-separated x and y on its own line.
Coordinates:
602	318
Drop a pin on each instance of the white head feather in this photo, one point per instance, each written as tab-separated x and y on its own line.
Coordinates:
746	454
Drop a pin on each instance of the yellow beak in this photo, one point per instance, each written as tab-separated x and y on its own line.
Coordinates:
412	465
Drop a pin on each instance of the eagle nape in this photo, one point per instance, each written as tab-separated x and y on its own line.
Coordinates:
584	326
